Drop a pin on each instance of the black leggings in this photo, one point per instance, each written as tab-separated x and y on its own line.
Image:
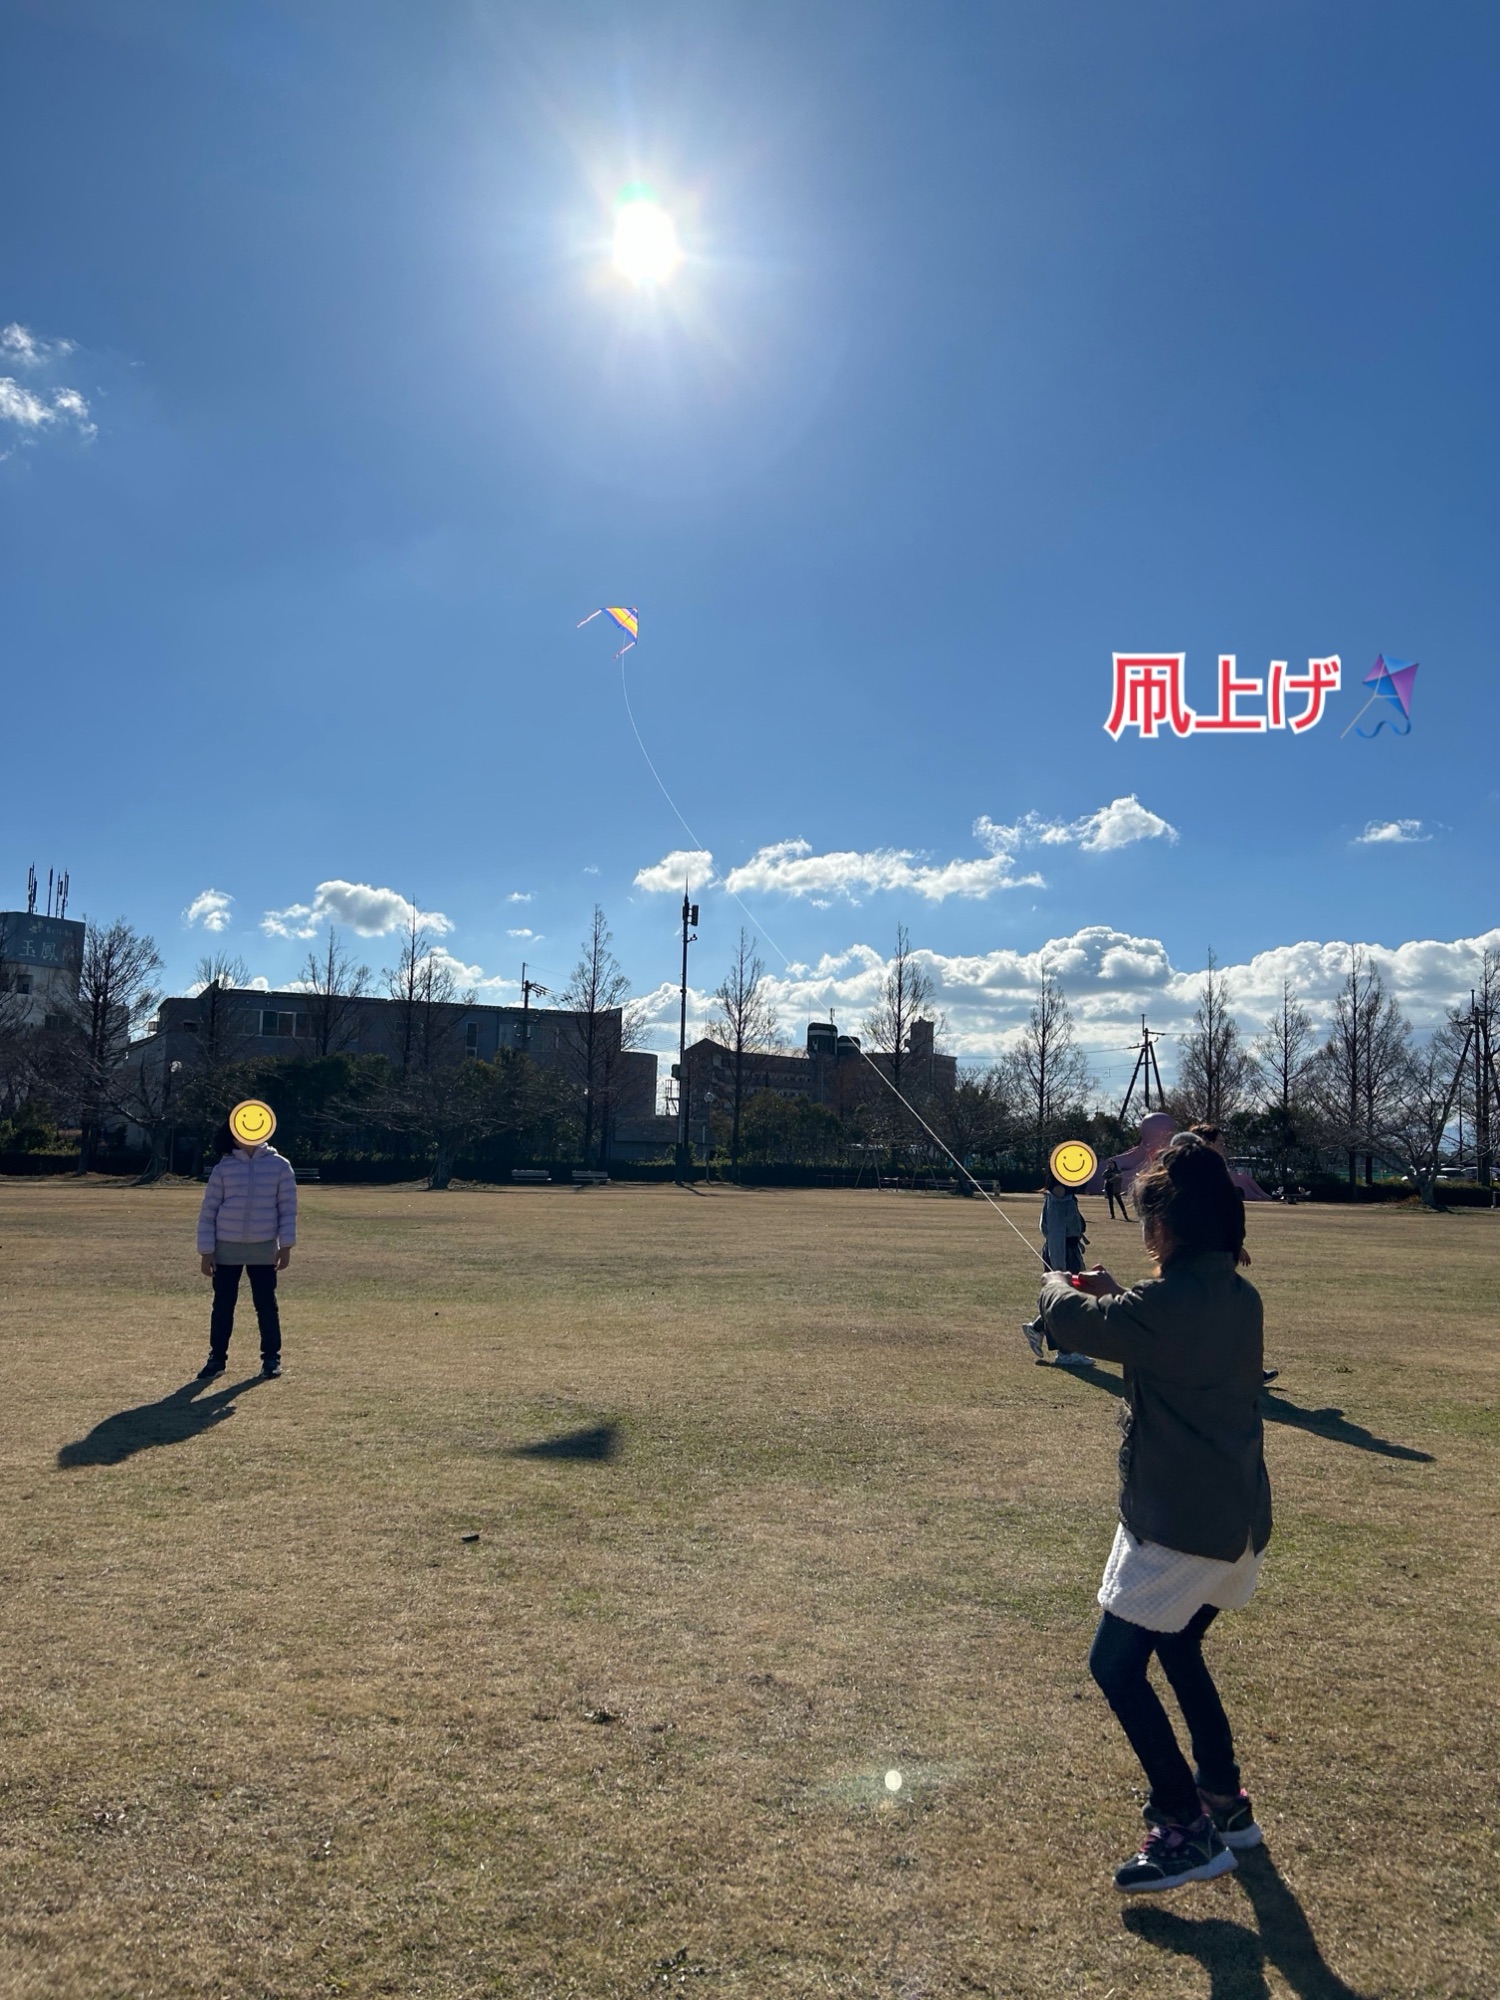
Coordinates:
1118	1661
262	1291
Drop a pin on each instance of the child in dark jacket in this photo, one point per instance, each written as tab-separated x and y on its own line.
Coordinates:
248	1221
1195	1502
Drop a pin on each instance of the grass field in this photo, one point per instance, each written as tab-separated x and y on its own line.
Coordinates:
769	1499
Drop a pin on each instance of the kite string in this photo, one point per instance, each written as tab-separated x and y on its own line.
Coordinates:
757	925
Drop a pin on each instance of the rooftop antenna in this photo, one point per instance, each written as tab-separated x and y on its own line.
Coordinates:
31	891
528	987
50	873
62	894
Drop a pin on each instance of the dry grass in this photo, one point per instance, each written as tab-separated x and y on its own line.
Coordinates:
272	1727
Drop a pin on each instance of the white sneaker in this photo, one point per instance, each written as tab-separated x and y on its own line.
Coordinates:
1032	1328
1075	1360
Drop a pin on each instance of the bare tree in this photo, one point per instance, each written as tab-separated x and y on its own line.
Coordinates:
430	1005
745	1024
902	1003
334	986
199	1087
596	996
1361	1066
977	1117
223	969
1047	1072
1281	1053
116	997
1213	1067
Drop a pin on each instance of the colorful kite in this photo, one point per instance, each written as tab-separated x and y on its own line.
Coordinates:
625	616
1392	682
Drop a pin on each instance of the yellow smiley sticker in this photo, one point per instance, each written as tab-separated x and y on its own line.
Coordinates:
252	1122
1073	1163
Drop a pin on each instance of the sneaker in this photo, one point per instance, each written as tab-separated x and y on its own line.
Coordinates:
270	1370
213	1366
1075	1360
1268	1375
1172	1855
1032	1328
1234	1823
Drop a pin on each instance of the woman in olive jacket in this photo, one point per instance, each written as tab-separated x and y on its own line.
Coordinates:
1195	1502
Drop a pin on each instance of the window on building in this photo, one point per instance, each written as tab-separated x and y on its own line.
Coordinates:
471	1038
273	1022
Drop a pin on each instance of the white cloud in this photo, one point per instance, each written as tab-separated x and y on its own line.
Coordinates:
791	868
366	911
519	896
210	907
20	345
1391	831
33	412
591	870
1119	824
1110	978
522	933
684	867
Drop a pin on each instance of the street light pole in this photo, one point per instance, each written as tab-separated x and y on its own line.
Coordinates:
684	1144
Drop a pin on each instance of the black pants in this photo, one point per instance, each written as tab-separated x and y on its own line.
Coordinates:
1112	1197
262	1291
1118	1661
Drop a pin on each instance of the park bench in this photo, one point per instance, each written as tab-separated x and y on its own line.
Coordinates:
530	1176
307	1173
589	1177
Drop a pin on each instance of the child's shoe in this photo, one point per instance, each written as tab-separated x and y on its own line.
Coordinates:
1234	1823
1032	1328
1172	1855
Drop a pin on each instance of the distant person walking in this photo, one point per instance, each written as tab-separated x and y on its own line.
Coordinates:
1114	1191
1064	1234
1195	1502
248	1222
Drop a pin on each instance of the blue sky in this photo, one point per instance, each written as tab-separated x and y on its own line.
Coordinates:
1006	338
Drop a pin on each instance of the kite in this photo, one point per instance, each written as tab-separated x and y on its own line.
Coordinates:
1392	682
625	616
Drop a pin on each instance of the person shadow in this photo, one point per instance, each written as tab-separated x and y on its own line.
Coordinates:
1328	1422
170	1420
1233	1955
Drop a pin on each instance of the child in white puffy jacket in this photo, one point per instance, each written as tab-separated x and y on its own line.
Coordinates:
248	1221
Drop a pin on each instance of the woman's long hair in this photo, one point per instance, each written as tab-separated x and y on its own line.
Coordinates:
1189	1195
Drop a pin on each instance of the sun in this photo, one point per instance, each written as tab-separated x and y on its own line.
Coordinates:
646	249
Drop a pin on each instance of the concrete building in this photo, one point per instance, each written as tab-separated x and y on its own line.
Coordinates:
40	962
252	1026
831	1069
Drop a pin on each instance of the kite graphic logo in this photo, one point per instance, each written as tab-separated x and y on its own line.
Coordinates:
1392	681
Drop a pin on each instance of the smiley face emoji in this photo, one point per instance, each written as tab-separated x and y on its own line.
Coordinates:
252	1122
1073	1162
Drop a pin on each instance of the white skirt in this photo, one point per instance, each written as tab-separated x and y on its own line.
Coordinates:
1160	1588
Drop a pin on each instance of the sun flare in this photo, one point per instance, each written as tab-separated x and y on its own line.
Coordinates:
646	249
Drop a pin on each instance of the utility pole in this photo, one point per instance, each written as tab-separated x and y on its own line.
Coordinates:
1145	1069
689	936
